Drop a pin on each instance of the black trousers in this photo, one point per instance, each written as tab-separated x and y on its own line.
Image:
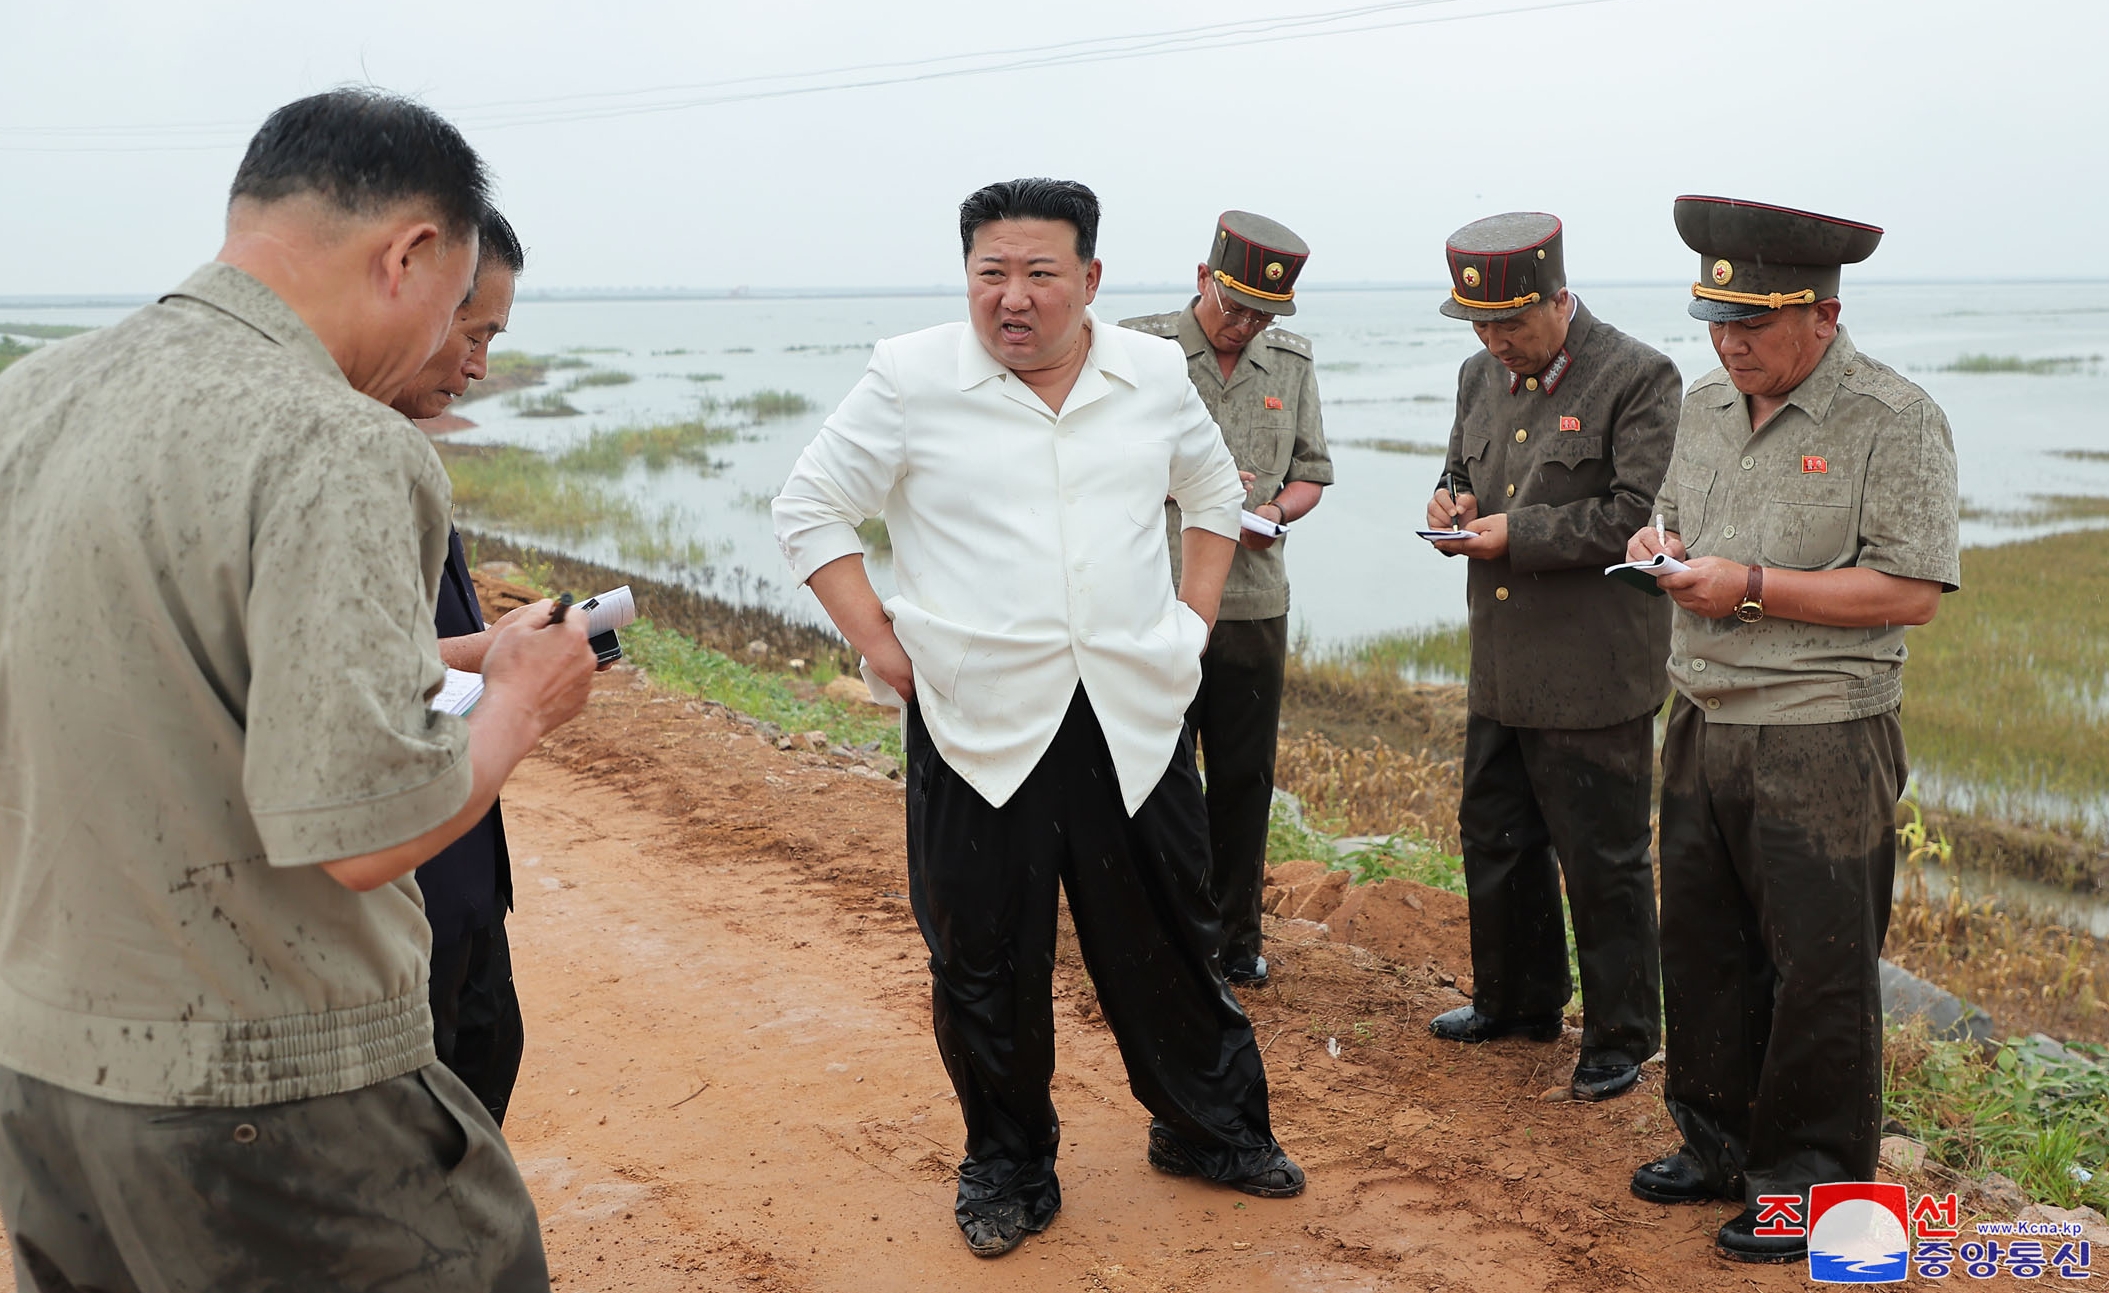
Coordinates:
983	883
476	1025
1236	718
1539	803
1778	851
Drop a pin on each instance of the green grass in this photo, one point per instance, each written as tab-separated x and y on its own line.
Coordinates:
2082	455
2042	509
763	405
549	404
607	453
679	664
1439	654
1424	448
521	489
2052	366
2006	690
11	350
602	377
43	331
706	377
2009	1110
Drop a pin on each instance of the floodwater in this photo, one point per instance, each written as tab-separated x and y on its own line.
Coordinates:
1387	371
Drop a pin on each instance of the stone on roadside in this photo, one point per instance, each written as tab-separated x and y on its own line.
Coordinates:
1901	1156
2094	1228
2003	1193
757	650
1907	996
849	689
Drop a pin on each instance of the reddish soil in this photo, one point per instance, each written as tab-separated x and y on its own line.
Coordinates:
730	1081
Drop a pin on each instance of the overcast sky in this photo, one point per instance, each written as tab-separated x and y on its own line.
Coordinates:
1974	132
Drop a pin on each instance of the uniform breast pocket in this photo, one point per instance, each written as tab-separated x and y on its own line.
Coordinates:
1693	486
1807	531
1571	451
1265	446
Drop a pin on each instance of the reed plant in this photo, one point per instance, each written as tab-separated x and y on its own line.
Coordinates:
2029	977
609	452
1371	789
601	377
521	490
43	331
549	404
11	350
2047	366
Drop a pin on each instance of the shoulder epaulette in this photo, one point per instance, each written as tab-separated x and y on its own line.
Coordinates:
1873	378
1283	339
1157	325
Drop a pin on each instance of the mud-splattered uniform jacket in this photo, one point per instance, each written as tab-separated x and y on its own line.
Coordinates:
1574	456
215	646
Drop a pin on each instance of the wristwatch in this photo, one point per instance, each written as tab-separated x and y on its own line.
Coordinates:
1752	608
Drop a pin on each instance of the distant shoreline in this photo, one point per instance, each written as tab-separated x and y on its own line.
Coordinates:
564	295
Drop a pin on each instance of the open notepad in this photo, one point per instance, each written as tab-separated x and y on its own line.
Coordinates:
1642	574
1257	524
459	693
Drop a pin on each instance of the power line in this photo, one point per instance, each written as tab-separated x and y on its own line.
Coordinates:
515	113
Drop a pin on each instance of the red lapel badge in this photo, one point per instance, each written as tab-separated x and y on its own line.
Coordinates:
1570	424
1811	465
1274	401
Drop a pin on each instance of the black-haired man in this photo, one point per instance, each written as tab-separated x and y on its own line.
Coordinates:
217	767
1022	461
468	887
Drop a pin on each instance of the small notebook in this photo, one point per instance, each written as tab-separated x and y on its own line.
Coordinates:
459	693
1434	536
605	614
1256	524
1642	574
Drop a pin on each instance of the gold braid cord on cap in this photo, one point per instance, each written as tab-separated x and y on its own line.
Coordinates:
1511	304
1260	292
1772	300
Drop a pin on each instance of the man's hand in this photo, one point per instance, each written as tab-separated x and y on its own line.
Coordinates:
1712	587
1442	508
1262	542
889	659
1645	544
1484	539
544	669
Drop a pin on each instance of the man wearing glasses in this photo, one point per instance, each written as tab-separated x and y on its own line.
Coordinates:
1259	385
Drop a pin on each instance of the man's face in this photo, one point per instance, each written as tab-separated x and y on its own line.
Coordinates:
1228	325
1026	291
1773	353
425	285
464	356
1525	343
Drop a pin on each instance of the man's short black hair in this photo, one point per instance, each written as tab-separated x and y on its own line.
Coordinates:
1032	199
364	151
499	245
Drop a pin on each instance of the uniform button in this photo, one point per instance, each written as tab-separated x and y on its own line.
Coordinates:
245	1133
1521	435
1698	666
1501	594
1748	463
1512	491
1850	371
1713	702
1531	382
1729	533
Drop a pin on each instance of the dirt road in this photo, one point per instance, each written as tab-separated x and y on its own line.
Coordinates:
730	1082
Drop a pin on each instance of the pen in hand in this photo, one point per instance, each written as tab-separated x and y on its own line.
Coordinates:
556	615
1662	541
1457	517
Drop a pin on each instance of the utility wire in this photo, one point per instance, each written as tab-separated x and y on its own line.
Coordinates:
508	114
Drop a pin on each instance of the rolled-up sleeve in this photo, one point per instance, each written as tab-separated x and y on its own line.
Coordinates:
1908	519
845	475
1204	476
342	755
1310	460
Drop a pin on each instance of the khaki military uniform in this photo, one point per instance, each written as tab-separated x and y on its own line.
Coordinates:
1566	676
1782	767
1269	415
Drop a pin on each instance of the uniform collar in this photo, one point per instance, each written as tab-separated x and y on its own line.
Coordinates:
1549	378
234	292
1196	343
1817	391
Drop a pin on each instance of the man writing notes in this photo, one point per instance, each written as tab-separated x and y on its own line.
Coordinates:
1258	383
217	764
1564	425
1813	494
1022	460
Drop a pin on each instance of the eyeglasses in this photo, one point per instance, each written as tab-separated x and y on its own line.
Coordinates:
1239	313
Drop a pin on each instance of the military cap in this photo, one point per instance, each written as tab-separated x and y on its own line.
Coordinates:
1504	265
1754	257
1255	261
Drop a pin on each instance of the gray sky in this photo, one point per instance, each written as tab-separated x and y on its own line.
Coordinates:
1972	131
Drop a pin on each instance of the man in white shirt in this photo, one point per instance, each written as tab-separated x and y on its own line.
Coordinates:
1022	461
